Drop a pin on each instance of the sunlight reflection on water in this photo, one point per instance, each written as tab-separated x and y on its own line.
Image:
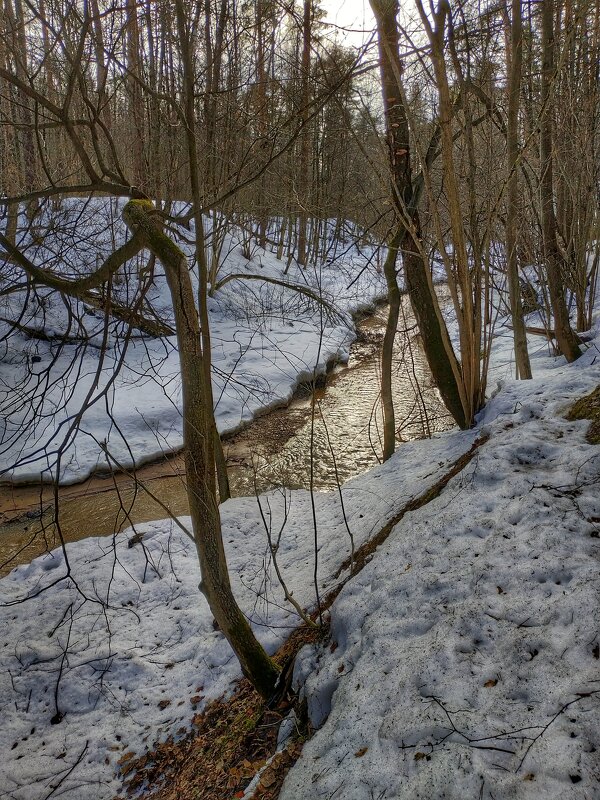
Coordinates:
340	439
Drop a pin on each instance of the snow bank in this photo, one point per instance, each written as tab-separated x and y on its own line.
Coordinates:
466	659
266	338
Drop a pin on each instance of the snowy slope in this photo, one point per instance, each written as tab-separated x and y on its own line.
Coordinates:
265	339
482	604
467	662
131	629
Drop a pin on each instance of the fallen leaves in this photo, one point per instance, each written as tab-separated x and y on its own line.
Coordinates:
230	742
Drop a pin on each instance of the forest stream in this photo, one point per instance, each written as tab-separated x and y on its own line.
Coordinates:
322	444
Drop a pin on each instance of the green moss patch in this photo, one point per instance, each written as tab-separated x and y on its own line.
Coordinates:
588	407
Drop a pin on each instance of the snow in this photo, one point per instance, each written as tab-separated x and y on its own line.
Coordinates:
463	661
266	338
136	629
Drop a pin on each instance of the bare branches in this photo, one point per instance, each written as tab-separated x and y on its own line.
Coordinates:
75	288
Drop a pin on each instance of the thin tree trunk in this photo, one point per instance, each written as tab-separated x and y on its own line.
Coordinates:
261	117
136	108
221	466
387	349
199	426
514	65
303	167
25	135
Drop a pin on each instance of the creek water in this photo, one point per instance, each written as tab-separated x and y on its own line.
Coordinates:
320	442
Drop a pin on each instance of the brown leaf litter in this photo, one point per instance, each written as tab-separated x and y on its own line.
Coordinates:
231	740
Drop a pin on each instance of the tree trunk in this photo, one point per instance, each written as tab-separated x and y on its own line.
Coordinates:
303	172
198	429
436	342
514	67
565	337
434	334
198	418
136	108
261	112
221	466
387	349
467	312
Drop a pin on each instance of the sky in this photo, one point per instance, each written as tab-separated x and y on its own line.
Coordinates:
353	15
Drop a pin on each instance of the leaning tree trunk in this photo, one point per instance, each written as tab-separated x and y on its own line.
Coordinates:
567	341
434	334
436	342
198	430
467	302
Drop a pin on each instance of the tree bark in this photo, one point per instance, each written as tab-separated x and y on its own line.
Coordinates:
567	341
514	68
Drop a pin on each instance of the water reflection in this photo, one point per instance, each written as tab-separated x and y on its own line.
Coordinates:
342	430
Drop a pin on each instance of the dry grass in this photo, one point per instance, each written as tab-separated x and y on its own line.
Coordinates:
588	407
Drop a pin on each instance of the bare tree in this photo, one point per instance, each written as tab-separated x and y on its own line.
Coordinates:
567	341
406	195
514	59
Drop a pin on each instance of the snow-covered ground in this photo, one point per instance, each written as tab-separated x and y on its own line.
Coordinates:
466	662
120	648
466	652
265	339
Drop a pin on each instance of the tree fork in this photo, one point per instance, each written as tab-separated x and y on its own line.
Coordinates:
438	350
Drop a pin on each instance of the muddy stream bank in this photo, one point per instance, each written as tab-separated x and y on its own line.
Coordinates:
339	436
